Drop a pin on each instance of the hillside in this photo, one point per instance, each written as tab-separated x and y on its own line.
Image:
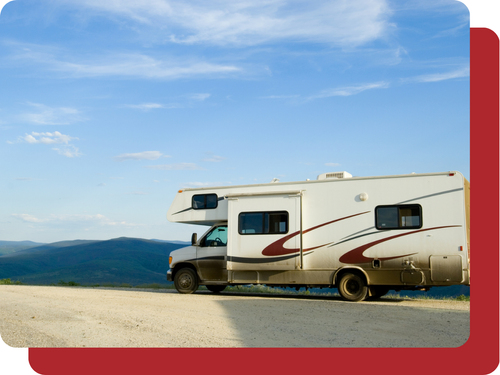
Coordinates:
9	247
121	260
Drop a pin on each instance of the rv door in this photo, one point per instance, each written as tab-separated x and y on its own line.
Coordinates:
265	232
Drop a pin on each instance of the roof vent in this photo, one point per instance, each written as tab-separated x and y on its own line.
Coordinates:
325	176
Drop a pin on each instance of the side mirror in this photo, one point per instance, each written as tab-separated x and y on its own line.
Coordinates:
194	239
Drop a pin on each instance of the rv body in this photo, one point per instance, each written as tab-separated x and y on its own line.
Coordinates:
362	235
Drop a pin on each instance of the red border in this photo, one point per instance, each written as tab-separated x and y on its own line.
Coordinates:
480	355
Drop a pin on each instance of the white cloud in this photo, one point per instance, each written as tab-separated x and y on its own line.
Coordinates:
436	77
281	97
332	164
251	22
50	138
46	115
175	167
28	218
69	151
348	90
146	106
200	96
145	155
47	138
59	219
214	158
132	65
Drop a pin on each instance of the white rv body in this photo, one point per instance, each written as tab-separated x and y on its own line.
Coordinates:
362	235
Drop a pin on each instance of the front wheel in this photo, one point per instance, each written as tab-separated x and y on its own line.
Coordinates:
352	287
186	281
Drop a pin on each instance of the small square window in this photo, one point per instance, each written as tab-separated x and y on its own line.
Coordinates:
204	201
398	217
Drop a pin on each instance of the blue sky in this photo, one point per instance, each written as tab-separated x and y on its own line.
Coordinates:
107	108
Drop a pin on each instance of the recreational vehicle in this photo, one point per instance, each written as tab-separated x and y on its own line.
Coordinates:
361	235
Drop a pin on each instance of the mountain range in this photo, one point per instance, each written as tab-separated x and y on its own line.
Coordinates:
132	261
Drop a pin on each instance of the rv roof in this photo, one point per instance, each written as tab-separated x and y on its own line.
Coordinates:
327	180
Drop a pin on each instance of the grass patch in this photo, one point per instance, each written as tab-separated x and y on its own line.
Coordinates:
271	290
461	297
9	282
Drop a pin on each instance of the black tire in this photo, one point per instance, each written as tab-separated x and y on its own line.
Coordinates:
186	281
216	288
378	291
352	287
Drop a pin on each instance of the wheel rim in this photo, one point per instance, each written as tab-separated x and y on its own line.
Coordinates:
185	281
352	287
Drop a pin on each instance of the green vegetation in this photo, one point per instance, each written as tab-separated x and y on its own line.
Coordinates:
271	290
9	282
69	283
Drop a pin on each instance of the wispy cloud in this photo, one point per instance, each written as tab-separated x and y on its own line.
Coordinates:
50	138
213	158
436	77
69	151
47	138
348	90
28	218
127	65
332	164
145	155
46	115
73	218
252	22
146	106
175	167
200	96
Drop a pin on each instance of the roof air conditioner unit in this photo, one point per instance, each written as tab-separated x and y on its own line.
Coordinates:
325	176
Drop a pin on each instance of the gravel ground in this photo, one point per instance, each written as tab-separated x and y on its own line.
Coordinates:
51	316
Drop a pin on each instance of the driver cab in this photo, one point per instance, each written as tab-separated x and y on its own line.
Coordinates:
211	254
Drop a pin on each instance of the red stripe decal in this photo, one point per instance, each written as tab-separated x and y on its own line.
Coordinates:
276	248
356	255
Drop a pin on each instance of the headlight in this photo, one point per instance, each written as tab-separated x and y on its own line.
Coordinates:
169	261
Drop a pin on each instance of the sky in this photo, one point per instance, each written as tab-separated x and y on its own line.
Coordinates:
108	108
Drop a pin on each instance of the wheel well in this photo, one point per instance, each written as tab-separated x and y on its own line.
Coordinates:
338	275
180	266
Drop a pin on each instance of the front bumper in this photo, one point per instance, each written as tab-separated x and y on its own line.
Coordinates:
169	275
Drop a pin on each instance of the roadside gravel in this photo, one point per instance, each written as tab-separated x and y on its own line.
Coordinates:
52	316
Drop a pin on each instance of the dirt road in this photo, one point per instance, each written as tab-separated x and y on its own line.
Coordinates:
49	316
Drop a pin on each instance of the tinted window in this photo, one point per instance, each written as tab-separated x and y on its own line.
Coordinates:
398	217
204	201
263	222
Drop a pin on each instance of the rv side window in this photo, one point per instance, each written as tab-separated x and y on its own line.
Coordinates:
204	201
398	217
263	222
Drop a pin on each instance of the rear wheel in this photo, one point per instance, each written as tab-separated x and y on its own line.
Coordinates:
352	287
186	281
216	288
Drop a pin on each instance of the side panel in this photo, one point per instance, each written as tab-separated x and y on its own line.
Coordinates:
264	251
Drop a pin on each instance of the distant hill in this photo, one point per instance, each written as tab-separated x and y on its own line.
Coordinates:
121	260
9	247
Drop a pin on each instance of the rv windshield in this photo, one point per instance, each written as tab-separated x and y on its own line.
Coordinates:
216	237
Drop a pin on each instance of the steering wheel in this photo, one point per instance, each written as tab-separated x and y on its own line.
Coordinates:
219	241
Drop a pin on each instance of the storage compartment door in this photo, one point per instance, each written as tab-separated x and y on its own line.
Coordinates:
264	233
